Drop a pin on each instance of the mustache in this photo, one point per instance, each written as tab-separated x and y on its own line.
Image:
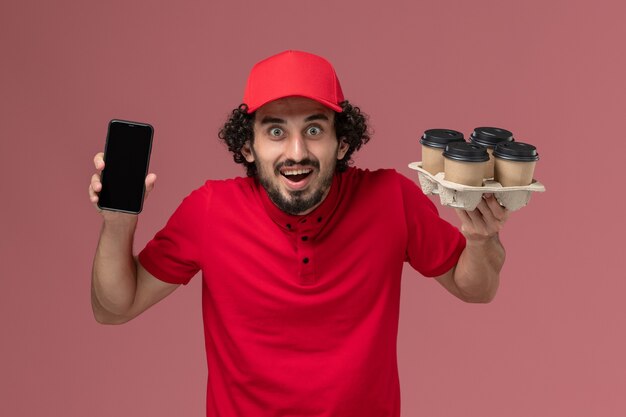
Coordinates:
291	162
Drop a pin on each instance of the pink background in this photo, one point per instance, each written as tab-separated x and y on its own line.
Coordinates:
551	344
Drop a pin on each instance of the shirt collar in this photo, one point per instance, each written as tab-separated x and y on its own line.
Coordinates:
313	220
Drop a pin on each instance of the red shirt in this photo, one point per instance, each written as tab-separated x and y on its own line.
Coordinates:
301	312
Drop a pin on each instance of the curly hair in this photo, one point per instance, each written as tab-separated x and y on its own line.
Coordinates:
350	126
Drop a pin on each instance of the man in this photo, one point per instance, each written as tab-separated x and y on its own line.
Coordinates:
301	261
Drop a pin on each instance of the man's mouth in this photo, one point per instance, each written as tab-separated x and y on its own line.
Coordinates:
295	175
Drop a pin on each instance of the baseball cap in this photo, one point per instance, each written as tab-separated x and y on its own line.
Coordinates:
293	73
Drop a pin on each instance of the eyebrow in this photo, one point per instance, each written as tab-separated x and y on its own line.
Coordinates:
272	120
319	116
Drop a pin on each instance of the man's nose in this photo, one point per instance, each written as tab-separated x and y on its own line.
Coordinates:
296	148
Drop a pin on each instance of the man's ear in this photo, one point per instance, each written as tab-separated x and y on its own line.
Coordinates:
343	148
246	151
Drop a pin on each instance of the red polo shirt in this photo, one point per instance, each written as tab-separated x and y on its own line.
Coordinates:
301	312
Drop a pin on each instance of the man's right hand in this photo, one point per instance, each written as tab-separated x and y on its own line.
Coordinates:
96	186
121	288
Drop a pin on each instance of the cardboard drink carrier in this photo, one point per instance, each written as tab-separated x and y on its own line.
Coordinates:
467	197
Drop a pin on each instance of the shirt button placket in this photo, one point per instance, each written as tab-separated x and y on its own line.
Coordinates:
305	253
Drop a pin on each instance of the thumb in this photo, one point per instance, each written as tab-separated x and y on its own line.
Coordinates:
150	182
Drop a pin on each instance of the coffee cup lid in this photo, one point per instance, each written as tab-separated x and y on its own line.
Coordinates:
490	136
516	151
439	138
466	152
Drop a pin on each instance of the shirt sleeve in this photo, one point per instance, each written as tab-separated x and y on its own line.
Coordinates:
434	245
174	254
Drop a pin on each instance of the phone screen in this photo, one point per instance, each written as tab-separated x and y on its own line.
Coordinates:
126	159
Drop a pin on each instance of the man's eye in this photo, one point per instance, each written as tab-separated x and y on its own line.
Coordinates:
314	131
276	132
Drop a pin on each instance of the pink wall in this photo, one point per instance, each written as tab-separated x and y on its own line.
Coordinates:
551	344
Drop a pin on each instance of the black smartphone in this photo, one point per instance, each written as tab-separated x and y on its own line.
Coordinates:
126	159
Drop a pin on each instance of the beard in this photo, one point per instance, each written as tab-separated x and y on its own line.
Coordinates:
298	201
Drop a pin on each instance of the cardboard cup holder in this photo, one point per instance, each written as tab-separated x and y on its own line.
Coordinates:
467	197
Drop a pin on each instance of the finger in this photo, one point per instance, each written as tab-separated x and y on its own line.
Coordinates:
150	182
94	187
477	214
492	222
93	196
463	215
467	225
98	161
486	210
499	212
95	184
472	222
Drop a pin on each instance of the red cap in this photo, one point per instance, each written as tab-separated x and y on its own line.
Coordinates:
293	73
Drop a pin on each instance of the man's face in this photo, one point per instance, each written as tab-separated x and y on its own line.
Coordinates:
295	151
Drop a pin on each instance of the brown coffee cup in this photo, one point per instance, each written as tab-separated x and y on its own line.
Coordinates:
434	142
464	163
515	163
489	137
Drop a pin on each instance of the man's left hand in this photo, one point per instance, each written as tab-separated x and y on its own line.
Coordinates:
485	221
